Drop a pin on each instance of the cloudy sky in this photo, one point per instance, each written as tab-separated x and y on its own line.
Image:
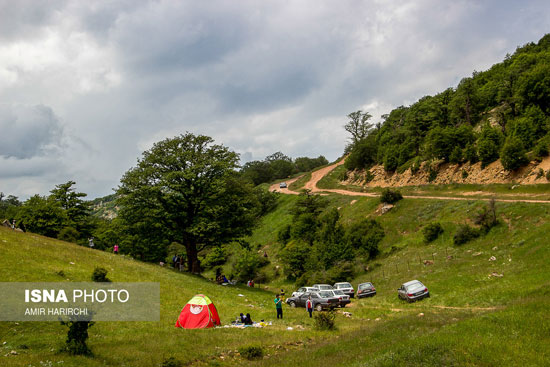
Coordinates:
87	86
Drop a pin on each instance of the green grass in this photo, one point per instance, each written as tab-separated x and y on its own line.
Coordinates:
472	318
299	183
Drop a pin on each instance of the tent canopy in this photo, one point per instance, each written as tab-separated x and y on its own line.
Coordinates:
198	313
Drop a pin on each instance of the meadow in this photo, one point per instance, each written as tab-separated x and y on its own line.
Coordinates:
480	313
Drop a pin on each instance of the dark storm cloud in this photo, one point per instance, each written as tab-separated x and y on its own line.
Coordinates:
28	131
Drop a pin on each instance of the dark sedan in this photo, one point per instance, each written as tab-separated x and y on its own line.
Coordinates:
365	290
321	300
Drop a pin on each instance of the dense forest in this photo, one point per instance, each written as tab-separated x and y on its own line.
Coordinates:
499	113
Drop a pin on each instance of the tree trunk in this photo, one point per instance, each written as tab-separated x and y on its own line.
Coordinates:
193	263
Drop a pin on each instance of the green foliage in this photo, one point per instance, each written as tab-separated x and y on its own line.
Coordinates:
100	275
278	166
548	175
456	155
68	234
390	196
41	215
77	335
215	257
464	174
391	161
251	352
305	164
513	154
486	218
464	234
488	145
513	95
295	256
365	236
432	231
325	320
247	265
184	189
432	172
415	167
358	125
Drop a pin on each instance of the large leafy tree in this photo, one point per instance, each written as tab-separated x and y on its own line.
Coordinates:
358	125
77	210
184	189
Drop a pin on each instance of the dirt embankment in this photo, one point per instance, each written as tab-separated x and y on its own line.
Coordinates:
494	173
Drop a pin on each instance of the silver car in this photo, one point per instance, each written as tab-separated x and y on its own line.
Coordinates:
413	291
345	287
342	297
303	290
323	287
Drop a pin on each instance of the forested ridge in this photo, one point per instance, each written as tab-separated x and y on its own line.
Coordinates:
499	113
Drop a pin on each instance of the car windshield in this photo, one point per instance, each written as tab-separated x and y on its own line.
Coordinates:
344	285
365	285
325	294
325	287
338	292
415	287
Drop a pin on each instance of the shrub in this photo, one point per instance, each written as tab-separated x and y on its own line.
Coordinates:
68	234
365	235
415	167
390	161
215	257
390	196
76	337
100	275
512	155
541	149
487	217
456	155
251	352
464	234
432	173
432	231
283	236
368	176
540	173
470	154
325	320
464	174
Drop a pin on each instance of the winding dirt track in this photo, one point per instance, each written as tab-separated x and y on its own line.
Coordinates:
316	176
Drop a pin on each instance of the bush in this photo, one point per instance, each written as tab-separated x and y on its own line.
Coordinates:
215	257
251	352
247	265
432	231
432	173
100	275
541	149
415	166
464	174
512	155
390	161
365	235
456	155
487	217
68	234
325	320
76	337
390	196
465	234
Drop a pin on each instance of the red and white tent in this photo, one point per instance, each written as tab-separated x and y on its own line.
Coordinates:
198	313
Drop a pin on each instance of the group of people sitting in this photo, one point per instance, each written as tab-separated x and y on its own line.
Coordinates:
242	319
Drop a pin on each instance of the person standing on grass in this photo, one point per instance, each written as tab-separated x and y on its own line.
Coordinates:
309	306
115	249
279	306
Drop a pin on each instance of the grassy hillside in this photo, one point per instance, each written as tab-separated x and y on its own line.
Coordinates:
481	313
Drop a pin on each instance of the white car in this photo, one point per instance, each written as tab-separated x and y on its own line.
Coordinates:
303	290
323	287
345	287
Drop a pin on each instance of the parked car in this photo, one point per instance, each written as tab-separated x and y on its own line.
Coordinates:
302	290
365	290
342	297
323	287
321	300
345	287
282	185
413	291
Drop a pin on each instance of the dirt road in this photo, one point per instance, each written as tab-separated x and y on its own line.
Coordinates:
316	176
